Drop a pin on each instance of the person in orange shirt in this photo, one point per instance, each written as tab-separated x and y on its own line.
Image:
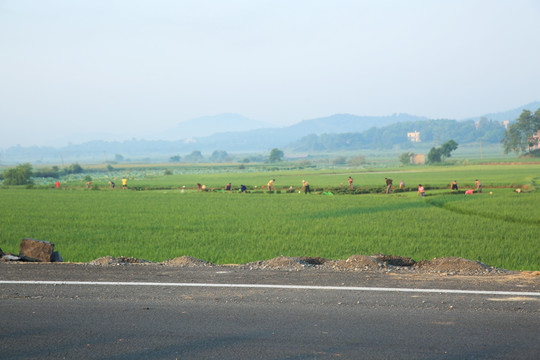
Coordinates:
478	185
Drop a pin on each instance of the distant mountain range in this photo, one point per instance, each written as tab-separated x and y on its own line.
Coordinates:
202	126
266	139
510	114
232	133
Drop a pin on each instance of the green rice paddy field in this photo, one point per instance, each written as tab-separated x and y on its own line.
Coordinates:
500	229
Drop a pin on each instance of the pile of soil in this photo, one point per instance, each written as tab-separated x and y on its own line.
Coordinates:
377	262
280	262
186	261
454	265
121	260
356	263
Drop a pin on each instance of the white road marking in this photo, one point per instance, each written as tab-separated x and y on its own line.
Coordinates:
270	286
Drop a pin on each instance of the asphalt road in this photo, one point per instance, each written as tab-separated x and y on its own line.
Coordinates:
174	316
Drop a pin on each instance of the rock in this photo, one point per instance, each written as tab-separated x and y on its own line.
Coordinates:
56	257
36	250
10	257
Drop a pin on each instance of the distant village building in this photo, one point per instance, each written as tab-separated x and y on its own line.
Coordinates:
535	140
418	159
414	136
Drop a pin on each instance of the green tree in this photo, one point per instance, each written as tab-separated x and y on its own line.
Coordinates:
74	169
405	158
53	172
175	158
357	160
219	156
275	155
195	156
339	160
448	147
20	175
518	137
434	155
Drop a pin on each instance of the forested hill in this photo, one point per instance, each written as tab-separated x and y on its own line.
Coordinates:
509	114
463	132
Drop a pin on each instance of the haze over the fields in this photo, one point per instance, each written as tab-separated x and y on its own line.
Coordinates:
122	69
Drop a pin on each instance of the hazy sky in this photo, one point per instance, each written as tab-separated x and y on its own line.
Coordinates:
136	67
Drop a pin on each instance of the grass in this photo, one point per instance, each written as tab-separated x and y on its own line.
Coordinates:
221	227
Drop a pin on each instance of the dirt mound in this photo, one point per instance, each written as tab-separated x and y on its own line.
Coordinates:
186	261
394	260
377	262
121	260
312	260
454	265
280	262
356	263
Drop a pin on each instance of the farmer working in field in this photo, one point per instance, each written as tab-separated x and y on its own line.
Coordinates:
388	185
350	183
271	185
478	185
305	186
124	183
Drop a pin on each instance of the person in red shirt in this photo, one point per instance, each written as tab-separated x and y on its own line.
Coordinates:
421	190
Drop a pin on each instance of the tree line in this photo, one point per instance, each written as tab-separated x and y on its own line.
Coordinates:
463	132
520	135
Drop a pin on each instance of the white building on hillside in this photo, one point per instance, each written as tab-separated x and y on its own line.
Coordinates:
414	136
